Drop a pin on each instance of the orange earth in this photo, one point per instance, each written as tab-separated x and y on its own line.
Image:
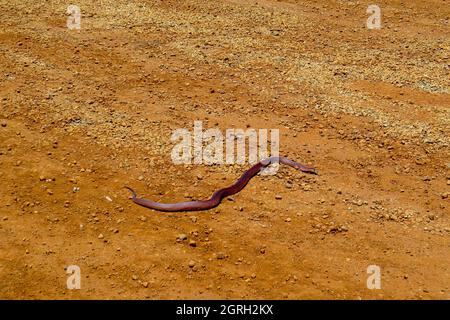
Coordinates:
85	112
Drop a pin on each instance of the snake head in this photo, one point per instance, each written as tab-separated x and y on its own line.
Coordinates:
306	169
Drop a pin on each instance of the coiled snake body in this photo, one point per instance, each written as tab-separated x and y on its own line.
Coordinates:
217	196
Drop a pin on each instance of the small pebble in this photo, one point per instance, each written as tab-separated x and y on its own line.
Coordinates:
182	237
220	255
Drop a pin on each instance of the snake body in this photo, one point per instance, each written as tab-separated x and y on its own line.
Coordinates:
217	196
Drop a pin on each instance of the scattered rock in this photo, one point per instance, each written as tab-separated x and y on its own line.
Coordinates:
192	243
358	202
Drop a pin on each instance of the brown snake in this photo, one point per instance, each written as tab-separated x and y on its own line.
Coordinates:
217	196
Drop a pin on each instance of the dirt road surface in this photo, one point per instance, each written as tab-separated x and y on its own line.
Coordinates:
84	112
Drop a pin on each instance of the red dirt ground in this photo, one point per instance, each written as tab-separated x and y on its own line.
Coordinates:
85	112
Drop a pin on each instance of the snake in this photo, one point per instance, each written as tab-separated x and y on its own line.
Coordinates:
217	196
